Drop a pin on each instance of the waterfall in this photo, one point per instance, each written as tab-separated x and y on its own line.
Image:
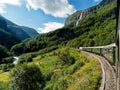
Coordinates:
15	60
80	17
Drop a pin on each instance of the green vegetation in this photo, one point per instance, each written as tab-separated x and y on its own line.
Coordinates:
59	65
60	76
57	73
55	38
65	58
4	52
11	34
6	59
4	80
26	78
6	38
28	57
96	29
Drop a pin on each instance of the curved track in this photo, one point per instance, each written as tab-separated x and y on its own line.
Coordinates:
108	74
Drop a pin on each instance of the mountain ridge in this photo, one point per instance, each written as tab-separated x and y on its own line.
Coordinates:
10	30
94	30
75	18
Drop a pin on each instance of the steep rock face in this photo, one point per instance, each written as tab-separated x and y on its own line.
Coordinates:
75	18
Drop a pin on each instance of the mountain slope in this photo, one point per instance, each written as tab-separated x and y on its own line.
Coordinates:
17	32
11	34
97	28
21	32
6	38
26	31
78	16
30	31
55	38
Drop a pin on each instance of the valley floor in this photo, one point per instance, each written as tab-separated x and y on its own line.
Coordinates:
81	73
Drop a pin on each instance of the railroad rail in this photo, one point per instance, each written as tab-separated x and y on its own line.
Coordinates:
104	54
107	46
108	73
109	55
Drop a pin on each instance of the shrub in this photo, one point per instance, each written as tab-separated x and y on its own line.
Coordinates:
48	76
25	58
8	60
26	78
66	58
4	67
3	52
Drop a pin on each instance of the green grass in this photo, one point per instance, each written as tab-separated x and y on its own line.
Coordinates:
4	76
4	80
65	77
57	76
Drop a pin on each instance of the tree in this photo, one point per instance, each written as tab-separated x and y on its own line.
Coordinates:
65	58
3	52
26	77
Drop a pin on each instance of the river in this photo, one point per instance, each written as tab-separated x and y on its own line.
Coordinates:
15	60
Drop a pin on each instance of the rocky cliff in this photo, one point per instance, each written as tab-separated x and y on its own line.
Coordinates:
78	16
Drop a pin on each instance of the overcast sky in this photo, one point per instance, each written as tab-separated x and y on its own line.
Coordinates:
42	15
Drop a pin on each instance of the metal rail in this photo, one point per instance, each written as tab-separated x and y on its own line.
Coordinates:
115	46
107	46
109	53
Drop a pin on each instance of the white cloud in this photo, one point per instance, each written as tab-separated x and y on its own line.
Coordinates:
11	2
56	8
3	4
1	8
28	7
50	26
2	11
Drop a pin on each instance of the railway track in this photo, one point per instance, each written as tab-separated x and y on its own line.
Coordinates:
108	81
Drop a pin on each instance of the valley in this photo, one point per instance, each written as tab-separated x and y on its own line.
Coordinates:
52	61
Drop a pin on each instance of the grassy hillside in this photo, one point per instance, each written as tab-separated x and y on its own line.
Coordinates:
97	29
63	67
58	74
55	38
30	31
94	30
